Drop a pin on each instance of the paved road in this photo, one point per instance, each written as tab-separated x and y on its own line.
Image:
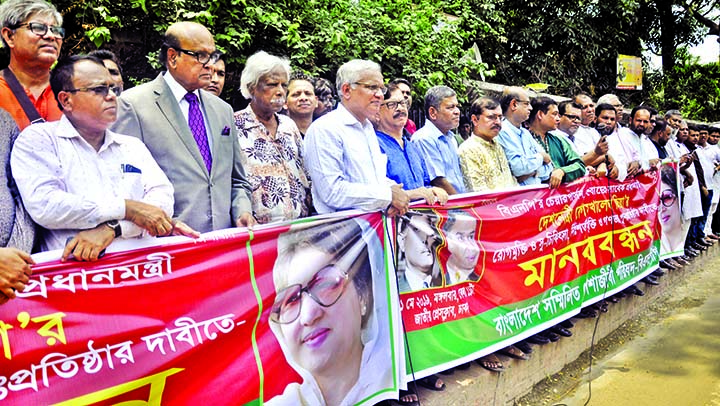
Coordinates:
676	363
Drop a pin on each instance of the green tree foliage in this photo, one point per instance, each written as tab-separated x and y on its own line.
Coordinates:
412	39
690	87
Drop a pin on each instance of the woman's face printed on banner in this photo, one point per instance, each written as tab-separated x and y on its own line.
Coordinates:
462	243
669	208
321	336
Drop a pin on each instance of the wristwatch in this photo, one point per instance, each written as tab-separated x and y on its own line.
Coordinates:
115	226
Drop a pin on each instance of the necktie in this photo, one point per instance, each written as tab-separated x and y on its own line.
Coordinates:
197	126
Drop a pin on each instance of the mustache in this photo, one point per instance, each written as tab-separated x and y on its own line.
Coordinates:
399	114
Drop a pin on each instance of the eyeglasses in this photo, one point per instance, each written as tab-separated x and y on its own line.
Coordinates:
667	198
393	105
373	88
41	29
98	90
573	117
203	57
325	288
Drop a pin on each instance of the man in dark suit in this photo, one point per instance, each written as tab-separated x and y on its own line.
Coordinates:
190	132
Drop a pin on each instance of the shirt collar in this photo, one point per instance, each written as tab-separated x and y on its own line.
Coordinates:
66	129
346	118
177	89
433	131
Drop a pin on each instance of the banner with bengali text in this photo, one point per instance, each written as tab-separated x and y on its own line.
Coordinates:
488	270
200	322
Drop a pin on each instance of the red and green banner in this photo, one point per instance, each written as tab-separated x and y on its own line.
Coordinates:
317	311
276	316
489	270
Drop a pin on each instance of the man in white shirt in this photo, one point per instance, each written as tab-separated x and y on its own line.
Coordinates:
342	153
85	184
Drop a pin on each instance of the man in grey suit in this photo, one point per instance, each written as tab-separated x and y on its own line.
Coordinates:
190	132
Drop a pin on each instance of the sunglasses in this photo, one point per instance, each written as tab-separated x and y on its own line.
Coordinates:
102	90
667	198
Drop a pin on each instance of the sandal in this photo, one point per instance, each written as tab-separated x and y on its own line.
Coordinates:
491	363
408	397
432	382
514	352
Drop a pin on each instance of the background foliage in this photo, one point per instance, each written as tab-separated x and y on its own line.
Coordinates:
570	45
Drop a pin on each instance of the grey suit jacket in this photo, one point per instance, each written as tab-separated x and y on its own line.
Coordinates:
205	201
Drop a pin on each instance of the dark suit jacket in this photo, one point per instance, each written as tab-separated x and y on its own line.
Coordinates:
205	201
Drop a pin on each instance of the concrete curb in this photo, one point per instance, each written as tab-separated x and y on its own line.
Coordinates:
477	386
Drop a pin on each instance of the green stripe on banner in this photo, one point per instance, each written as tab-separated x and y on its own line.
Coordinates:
449	341
258	297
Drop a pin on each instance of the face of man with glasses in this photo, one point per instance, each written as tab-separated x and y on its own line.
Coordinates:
191	62
364	96
570	120
394	111
36	40
90	100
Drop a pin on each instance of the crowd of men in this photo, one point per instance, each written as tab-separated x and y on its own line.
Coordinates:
88	162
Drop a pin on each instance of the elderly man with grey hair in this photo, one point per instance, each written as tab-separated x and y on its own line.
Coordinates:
32	31
438	143
272	142
190	132
342	152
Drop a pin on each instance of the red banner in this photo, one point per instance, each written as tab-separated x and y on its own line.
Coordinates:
190	322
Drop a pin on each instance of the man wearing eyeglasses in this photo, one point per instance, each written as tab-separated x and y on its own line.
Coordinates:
85	184
342	153
31	30
191	132
529	163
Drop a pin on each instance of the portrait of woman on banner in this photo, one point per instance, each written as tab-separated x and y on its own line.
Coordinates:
461	255
330	313
672	238
417	242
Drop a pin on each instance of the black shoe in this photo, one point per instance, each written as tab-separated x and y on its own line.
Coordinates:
698	247
615	298
561	331
537	339
586	313
622	294
691	253
566	324
634	290
650	280
550	336
665	264
679	262
659	272
524	347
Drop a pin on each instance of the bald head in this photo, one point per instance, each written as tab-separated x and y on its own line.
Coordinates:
188	54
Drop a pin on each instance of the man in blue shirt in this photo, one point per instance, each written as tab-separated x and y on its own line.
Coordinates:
405	164
438	143
528	162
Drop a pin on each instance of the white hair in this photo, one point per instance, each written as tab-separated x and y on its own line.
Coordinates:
351	71
258	65
608	99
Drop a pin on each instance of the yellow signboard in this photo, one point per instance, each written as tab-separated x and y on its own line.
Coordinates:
629	72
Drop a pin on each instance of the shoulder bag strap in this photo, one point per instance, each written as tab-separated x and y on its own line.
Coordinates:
22	98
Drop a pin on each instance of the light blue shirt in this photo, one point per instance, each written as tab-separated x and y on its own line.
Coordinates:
523	154
347	169
441	156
